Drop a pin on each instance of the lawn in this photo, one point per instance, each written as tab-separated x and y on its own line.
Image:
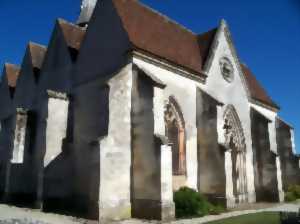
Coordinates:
257	218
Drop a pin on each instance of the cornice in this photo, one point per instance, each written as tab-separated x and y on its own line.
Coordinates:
168	66
261	104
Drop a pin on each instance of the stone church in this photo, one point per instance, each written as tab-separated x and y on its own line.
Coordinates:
125	107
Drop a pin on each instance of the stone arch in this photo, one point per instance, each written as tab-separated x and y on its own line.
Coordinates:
175	131
235	143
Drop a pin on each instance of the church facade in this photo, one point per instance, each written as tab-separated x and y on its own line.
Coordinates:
127	106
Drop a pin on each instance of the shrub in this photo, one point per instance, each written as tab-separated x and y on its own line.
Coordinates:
290	196
190	203
295	189
218	209
293	193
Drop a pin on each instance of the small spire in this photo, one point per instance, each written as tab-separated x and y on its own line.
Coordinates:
87	9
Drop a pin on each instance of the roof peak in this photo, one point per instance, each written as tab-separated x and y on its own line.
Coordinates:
7	64
37	53
12	72
73	34
86	11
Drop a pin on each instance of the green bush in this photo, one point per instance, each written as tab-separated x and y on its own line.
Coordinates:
295	189
290	196
190	203
217	209
293	193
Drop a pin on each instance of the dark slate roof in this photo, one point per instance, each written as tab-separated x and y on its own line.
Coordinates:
73	34
257	92
37	53
156	34
12	73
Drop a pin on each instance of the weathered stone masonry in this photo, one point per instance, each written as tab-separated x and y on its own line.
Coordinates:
126	107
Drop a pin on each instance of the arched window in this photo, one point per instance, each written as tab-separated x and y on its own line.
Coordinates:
175	131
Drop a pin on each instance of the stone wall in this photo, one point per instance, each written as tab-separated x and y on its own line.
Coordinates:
115	150
265	167
183	90
151	180
289	161
211	161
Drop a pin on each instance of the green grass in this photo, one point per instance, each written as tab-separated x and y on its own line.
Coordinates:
257	218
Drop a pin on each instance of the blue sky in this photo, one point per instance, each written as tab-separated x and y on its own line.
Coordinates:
266	35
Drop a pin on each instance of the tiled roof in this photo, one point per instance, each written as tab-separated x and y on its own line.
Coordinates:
257	92
37	53
73	34
156	34
12	73
205	41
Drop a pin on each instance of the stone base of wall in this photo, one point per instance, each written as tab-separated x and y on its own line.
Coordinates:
153	210
114	213
216	199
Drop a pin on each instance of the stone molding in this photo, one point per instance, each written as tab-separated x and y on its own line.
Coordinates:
259	103
169	67
57	95
234	129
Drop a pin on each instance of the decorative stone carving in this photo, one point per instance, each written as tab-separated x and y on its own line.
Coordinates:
227	69
172	114
233	129
235	143
175	131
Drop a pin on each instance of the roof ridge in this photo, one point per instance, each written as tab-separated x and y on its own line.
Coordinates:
31	43
61	20
208	31
12	65
167	18
249	75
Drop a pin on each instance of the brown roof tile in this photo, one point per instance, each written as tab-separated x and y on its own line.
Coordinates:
205	41
256	90
154	33
73	34
12	73
37	53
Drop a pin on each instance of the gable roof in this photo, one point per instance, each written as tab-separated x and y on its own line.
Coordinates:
12	73
73	34
257	92
156	34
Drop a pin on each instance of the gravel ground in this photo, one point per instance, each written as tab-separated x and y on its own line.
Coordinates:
13	215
